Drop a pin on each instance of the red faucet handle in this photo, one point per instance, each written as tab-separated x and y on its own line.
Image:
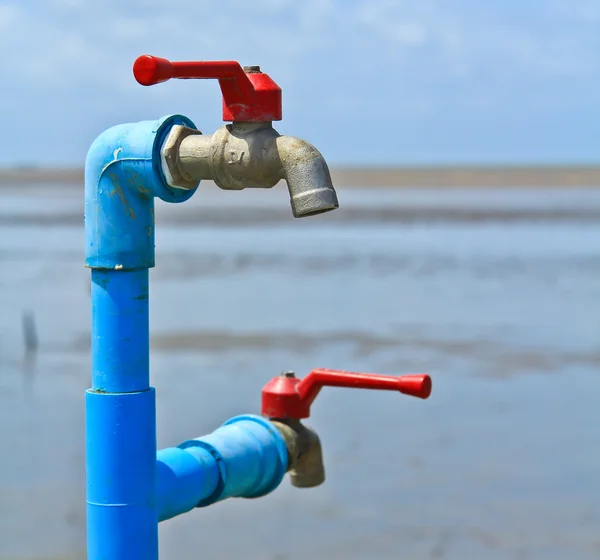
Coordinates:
287	396
248	93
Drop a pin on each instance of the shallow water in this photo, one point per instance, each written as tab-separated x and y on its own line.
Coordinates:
495	293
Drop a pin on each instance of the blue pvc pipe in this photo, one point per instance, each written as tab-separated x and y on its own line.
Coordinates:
120	331
122	177
244	458
129	487
121	476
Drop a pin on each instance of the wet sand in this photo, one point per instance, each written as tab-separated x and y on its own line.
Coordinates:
501	309
490	176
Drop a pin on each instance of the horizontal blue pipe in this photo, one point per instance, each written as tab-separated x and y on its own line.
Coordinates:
121	476
244	458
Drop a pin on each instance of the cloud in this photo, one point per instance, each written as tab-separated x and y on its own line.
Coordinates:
333	58
66	34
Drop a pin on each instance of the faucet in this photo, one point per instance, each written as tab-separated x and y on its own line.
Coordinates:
286	400
249	152
130	485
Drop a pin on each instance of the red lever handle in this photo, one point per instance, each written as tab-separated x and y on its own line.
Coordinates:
289	397
247	95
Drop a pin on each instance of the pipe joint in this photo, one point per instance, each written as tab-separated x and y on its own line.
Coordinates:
123	174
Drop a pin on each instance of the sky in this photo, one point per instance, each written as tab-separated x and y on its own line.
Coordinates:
368	82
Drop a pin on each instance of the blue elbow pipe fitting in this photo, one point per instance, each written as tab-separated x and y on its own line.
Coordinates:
244	458
122	176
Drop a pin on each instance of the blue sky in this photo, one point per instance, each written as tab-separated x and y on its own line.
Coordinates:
367	82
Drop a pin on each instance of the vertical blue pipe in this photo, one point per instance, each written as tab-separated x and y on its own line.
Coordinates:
122	177
120	420
121	476
120	331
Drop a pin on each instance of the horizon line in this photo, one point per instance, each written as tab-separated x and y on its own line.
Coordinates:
432	175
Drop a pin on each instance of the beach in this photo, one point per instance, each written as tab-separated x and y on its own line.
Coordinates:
493	291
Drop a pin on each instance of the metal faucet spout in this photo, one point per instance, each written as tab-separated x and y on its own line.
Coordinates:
307	176
250	155
305	454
